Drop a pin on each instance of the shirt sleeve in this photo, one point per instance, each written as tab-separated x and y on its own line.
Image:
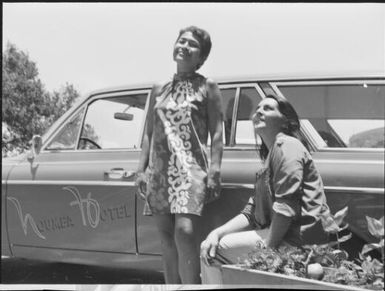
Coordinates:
287	164
248	211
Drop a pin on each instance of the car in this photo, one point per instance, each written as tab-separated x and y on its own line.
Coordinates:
73	198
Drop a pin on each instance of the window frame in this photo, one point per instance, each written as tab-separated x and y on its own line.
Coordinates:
314	141
235	105
85	105
262	95
60	127
238	87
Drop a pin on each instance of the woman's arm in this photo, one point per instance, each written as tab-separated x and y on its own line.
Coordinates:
286	163
215	120
279	226
210	244
145	153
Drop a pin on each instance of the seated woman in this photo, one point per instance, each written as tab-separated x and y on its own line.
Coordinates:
289	197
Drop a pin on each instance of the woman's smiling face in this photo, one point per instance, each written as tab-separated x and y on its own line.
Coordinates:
268	117
187	50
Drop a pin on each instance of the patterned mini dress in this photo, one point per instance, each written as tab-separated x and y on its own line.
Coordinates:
177	170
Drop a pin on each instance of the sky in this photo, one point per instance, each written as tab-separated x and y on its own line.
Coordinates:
98	45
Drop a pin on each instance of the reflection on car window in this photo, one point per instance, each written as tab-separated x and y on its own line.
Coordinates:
360	133
67	137
244	131
349	116
113	123
228	97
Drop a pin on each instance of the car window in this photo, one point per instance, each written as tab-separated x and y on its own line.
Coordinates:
228	97
113	123
66	139
248	101
345	116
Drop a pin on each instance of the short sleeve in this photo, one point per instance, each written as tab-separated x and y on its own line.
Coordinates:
287	164
249	210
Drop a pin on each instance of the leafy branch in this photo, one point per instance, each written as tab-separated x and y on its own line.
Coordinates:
333	224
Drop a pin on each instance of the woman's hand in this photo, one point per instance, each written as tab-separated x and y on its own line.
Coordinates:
213	185
141	183
209	247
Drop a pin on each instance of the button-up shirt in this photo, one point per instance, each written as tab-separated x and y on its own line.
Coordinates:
297	188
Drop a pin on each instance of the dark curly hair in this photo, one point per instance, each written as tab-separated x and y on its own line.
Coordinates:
204	40
291	127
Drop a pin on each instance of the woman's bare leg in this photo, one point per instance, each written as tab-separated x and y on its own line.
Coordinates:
166	226
188	247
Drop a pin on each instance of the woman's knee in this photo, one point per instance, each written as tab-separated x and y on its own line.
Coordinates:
240	239
184	232
185	228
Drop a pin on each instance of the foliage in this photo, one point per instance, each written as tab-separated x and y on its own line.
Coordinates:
333	224
376	228
293	261
27	107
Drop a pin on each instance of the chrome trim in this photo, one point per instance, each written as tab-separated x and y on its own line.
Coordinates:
338	189
241	160
144	120
227	86
72	182
82	162
275	88
235	113
92	151
232	186
349	162
355	190
369	150
245	149
118	93
352	190
333	150
81	126
236	85
323	82
260	91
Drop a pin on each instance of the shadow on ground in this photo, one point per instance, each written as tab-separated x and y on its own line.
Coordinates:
20	271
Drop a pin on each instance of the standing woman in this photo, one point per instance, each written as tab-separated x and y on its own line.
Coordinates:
174	165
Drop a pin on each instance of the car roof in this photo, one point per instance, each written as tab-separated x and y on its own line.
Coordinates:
253	78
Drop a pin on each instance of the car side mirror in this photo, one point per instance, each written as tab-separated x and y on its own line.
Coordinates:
37	144
123	116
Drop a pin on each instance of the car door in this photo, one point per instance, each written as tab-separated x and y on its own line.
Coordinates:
78	194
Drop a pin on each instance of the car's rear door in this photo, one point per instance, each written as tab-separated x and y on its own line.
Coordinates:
78	194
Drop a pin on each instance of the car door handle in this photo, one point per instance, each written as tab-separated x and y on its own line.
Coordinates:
118	174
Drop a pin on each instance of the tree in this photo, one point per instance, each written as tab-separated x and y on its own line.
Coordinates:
59	102
27	108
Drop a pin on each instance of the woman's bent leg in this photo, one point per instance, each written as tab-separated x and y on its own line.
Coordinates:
166	226
188	247
232	249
